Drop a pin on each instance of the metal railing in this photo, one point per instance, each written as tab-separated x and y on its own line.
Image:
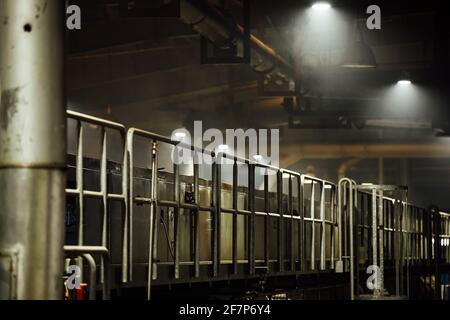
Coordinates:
307	222
86	253
393	233
216	210
81	193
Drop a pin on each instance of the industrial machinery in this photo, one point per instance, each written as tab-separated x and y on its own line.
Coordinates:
146	223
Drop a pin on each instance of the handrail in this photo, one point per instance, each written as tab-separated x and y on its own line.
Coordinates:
86	252
295	179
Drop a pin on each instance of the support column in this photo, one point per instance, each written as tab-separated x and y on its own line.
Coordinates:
32	148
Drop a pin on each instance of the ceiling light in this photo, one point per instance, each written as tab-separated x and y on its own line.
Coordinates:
404	78
321	6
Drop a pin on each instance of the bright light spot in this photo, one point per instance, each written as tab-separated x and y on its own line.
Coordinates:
319	31
180	135
321	6
286	175
258	157
405	98
222	147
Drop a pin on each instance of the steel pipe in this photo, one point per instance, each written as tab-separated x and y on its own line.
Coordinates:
32	149
211	24
94	250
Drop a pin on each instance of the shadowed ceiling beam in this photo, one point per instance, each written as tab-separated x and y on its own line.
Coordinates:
336	151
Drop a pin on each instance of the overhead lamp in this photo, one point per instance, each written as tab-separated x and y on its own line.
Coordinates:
405	79
359	55
322	5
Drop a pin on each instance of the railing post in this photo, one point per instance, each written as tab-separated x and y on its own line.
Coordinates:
280	221
251	225
152	214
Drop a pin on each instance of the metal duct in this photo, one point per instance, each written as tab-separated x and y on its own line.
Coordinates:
211	23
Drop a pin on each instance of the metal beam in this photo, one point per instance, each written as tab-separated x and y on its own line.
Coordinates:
365	151
32	149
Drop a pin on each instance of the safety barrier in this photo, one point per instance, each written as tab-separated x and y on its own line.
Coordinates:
248	224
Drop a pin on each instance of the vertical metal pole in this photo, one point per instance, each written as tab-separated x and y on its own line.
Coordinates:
345	223
381	239
351	232
291	238
214	215
322	227
313	233
32	148
80	189
374	233
356	223
153	209
437	251
333	226
397	234
339	264
196	222
235	217
251	225
301	236
104	191
280	221
402	250
176	193
408	246
266	220
80	184
221	159
128	185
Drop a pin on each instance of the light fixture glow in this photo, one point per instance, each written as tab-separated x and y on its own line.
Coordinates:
180	135
258	157
321	6
404	82
222	147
